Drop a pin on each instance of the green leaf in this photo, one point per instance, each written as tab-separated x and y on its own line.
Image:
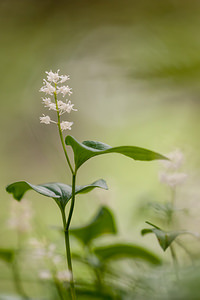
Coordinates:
125	251
102	223
164	238
60	192
7	255
88	149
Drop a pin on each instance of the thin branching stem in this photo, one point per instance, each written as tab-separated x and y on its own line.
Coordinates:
68	254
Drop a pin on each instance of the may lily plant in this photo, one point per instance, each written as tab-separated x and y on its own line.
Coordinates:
55	99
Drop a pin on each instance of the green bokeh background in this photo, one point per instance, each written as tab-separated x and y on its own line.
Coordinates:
135	73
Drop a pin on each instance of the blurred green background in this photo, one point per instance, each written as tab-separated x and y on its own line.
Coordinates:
135	73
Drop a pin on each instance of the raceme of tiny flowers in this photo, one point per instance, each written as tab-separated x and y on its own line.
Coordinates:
63	275
20	216
52	87
42	250
170	176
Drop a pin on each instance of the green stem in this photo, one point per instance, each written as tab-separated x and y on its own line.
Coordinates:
68	254
175	262
60	133
72	201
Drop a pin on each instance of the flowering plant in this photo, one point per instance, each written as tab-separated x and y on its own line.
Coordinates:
63	193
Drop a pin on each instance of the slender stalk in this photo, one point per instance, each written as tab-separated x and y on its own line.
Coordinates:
60	133
68	254
72	201
175	262
66	224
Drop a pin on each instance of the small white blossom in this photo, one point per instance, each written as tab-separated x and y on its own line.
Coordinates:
45	119
64	78
47	88
172	179
64	90
46	101
65	107
70	107
64	125
53	77
52	106
64	275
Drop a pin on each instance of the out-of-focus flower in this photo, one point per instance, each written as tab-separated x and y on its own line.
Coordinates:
44	250
64	275
175	161
45	274
170	176
21	214
172	179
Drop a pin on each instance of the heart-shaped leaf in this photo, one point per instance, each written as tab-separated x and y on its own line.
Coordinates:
164	238
7	255
102	223
60	192
88	149
126	251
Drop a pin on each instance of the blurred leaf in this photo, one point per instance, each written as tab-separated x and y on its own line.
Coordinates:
7	255
88	149
124	251
60	192
164	238
102	223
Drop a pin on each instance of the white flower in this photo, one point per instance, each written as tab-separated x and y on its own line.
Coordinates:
46	101
64	90
45	119
65	107
172	179
52	106
64	275
175	161
20	216
64	78
53	77
45	274
64	125
70	107
47	88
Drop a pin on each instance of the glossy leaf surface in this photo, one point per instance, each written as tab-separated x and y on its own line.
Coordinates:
126	251
60	192
102	223
88	149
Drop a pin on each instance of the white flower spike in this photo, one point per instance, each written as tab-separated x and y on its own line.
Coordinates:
53	86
